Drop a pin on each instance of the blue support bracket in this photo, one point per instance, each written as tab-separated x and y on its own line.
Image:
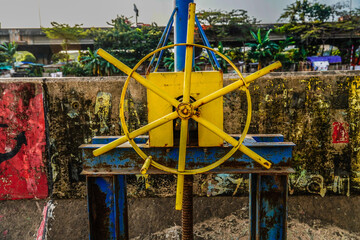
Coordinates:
163	41
213	60
268	206
107	206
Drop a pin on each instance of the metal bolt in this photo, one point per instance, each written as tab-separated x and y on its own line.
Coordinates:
185	111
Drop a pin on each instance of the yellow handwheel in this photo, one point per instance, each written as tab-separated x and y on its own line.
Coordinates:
185	110
179	113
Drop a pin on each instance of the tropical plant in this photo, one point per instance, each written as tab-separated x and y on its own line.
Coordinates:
66	33
96	65
169	63
92	63
73	69
8	50
223	63
263	50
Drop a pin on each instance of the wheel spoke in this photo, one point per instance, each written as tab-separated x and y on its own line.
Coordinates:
149	85
135	133
186	99
257	158
236	85
189	54
181	163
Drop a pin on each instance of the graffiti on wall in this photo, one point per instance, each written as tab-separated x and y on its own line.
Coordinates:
340	133
22	142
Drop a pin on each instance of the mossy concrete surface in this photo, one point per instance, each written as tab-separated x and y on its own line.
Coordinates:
318	111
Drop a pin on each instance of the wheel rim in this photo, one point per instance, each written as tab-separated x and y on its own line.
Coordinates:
186	171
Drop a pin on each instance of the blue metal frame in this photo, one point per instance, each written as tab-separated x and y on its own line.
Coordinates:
180	33
213	60
107	184
163	41
166	38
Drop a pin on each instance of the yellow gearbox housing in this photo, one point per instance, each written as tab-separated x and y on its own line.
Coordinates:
202	84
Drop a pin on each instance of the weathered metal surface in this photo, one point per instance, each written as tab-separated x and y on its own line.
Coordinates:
123	159
268	206
202	84
107	207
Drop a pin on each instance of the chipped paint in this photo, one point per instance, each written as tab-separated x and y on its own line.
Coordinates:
22	142
302	106
102	110
354	108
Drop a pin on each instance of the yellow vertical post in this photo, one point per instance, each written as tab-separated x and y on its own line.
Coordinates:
186	99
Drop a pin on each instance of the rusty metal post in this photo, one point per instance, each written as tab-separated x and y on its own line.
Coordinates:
187	209
268	206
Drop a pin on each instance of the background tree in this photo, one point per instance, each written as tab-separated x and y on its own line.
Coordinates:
66	33
128	44
312	24
221	24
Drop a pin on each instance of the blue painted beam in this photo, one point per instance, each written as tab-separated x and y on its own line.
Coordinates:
124	160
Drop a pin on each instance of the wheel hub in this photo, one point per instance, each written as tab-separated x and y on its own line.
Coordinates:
185	110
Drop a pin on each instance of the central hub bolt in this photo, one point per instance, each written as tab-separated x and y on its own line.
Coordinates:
185	110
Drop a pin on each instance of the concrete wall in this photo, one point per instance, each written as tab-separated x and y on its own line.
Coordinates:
317	111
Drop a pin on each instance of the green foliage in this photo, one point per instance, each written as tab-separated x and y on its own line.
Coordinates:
2	58
73	69
300	54
7	51
310	22
25	56
97	66
59	57
169	63
65	32
236	54
263	50
305	11
287	42
223	63
128	44
35	71
219	24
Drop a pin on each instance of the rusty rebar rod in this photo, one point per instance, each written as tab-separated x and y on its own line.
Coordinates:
187	209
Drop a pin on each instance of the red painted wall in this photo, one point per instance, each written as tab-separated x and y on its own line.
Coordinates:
22	141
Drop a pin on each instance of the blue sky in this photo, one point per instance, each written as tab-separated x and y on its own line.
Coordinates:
25	13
